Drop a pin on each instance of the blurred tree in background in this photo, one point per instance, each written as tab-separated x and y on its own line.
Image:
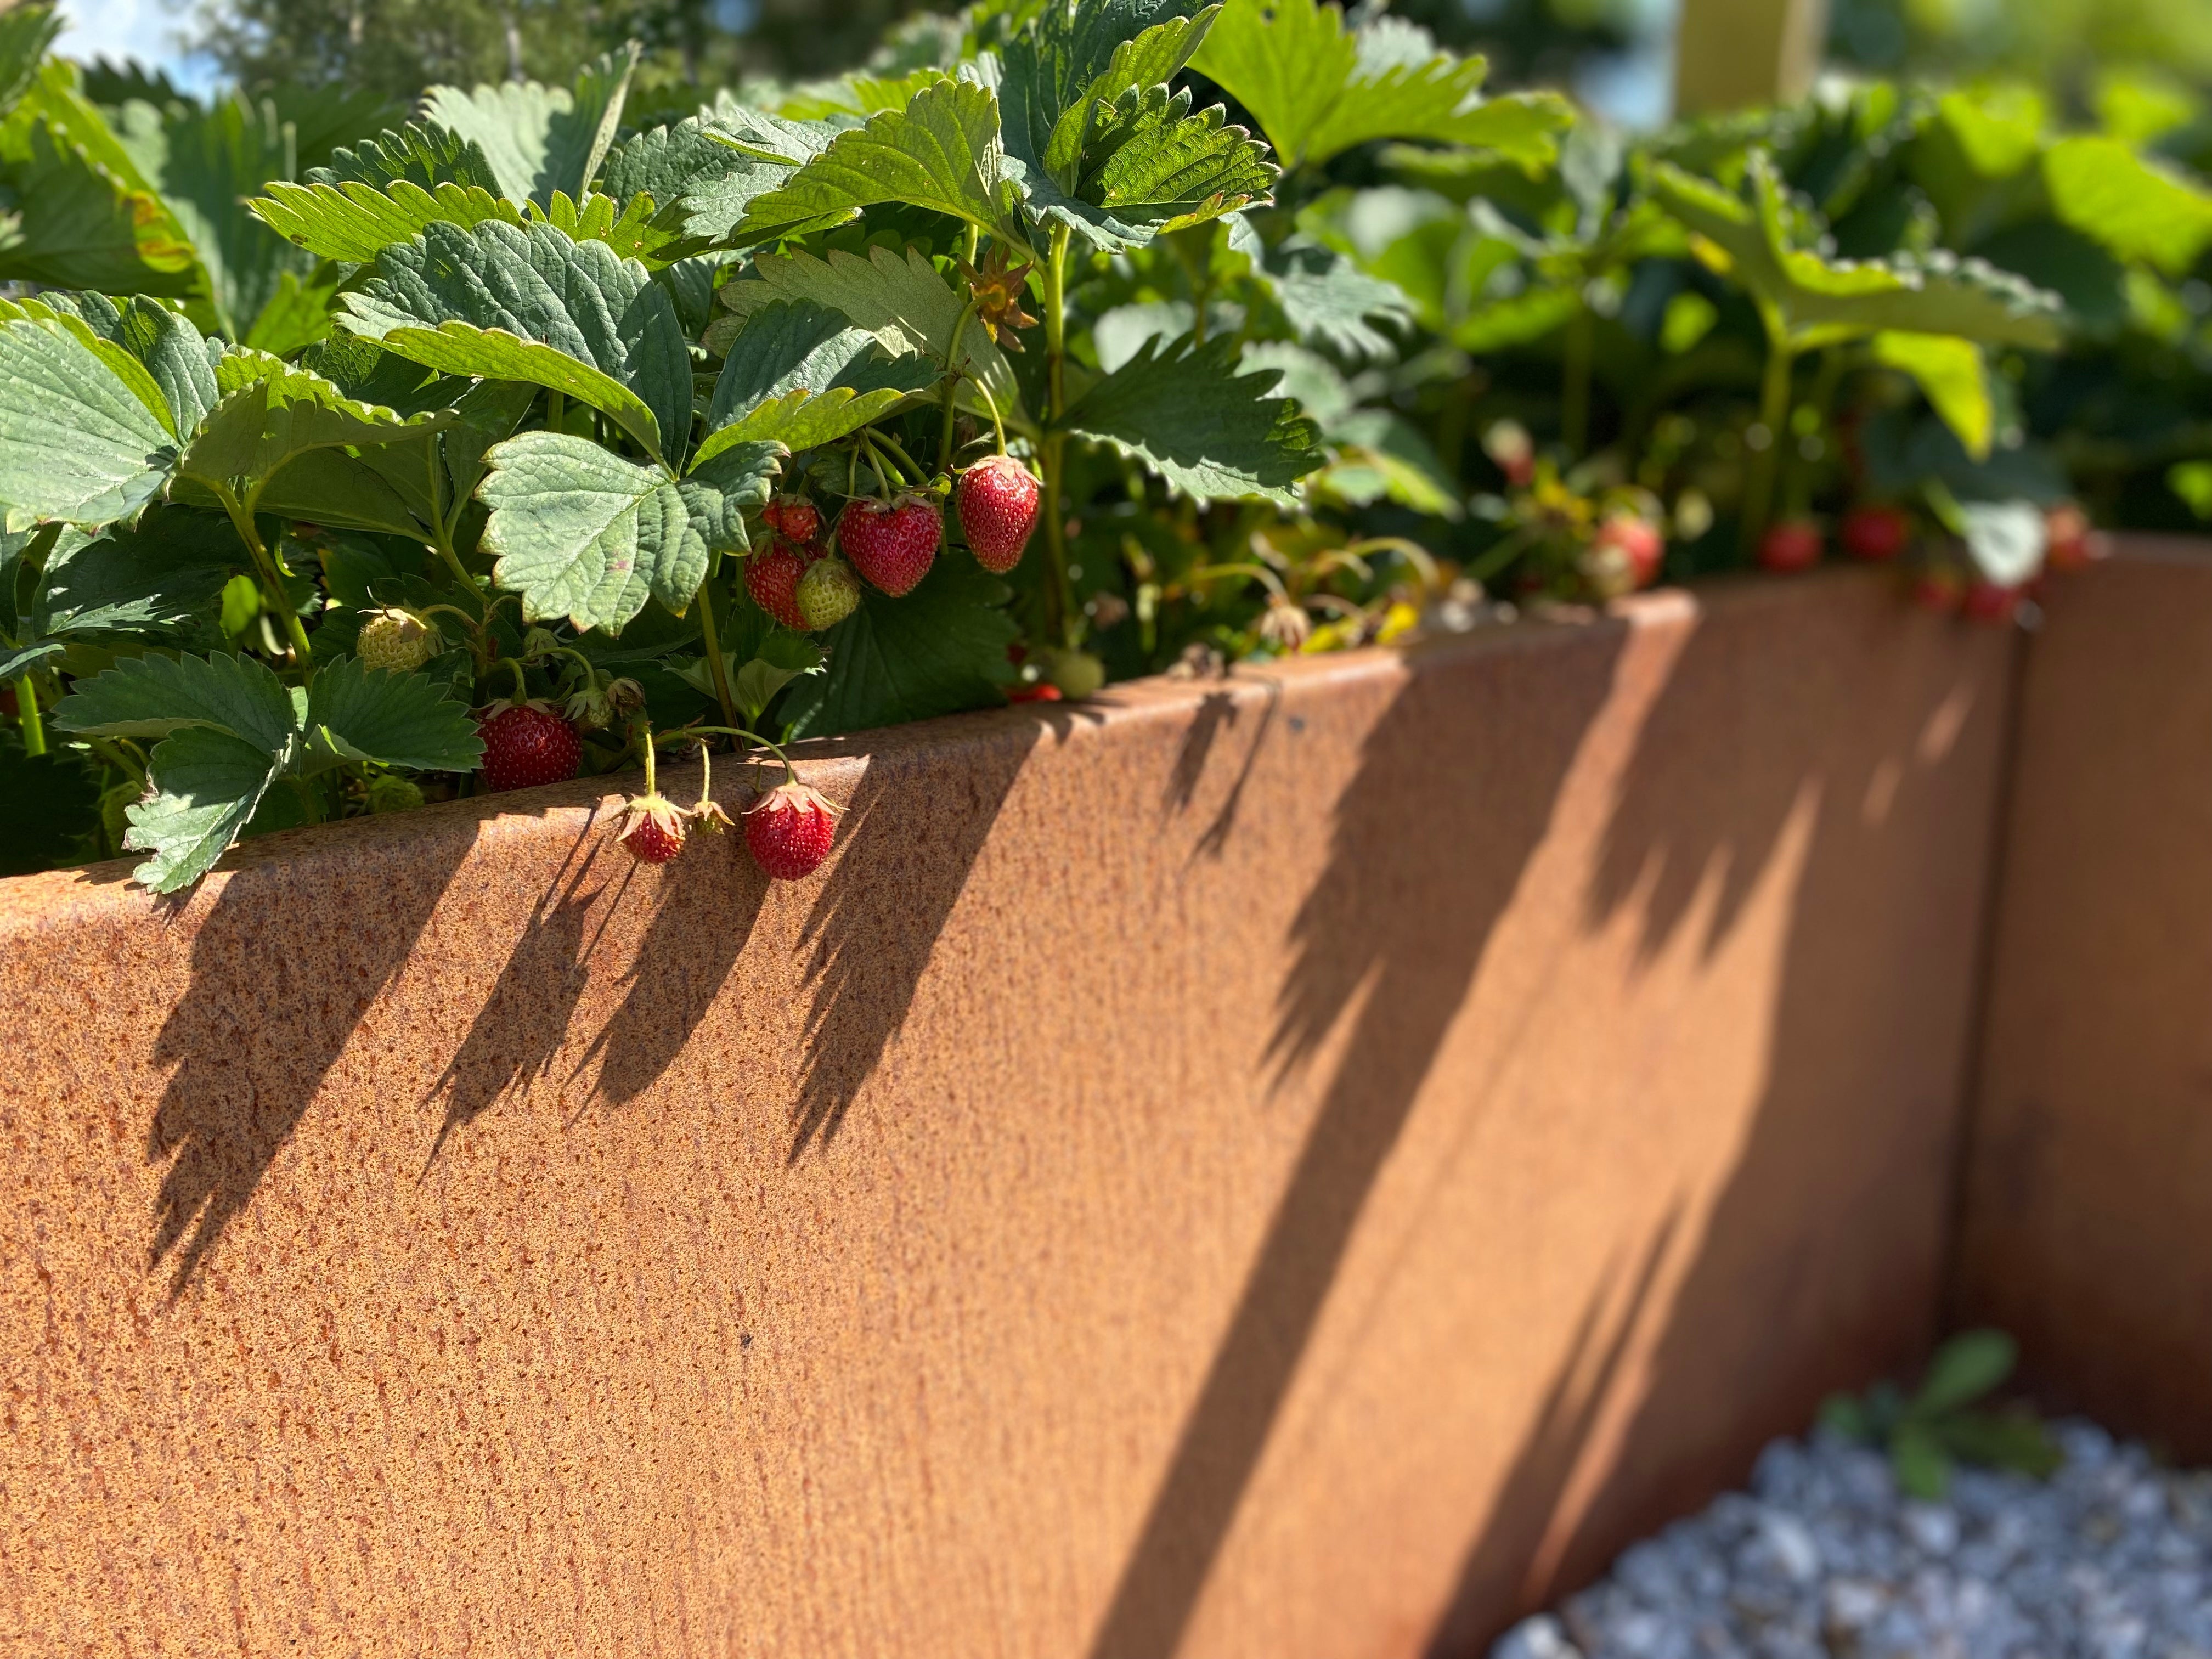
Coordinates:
396	47
2062	44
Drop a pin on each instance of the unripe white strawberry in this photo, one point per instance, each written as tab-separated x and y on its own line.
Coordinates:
397	642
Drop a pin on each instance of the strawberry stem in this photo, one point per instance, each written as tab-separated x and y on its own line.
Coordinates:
998	426
651	786
521	684
692	733
28	715
952	383
715	665
914	474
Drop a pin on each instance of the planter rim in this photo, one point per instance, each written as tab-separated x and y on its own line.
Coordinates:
835	763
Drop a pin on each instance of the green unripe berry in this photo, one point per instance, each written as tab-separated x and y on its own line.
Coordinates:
398	642
828	593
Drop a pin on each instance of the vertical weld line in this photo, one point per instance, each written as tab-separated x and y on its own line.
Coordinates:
1966	1136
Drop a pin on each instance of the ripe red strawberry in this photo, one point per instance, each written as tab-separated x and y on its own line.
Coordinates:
998	504
772	578
526	746
892	546
794	518
1792	544
652	829
828	593
1991	602
1876	534
789	829
1638	538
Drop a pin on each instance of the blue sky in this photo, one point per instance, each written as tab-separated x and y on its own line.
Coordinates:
144	29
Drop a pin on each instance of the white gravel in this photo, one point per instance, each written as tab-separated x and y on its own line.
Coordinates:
2110	1558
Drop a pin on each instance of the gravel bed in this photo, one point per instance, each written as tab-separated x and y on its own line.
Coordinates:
2110	1558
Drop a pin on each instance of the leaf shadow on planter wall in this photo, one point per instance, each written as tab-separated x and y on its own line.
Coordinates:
518	1033
707	902
292	951
1218	711
909	838
1866	784
1398	926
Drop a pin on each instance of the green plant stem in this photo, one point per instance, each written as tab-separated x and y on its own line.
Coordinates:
1059	598
952	384
914	473
273	596
1575	383
652	785
716	666
1774	416
26	714
689	733
556	411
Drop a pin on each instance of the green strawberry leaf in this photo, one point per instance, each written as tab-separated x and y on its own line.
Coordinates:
940	649
941	152
1329	302
27	35
801	374
167	568
180	358
16	660
81	440
1076	55
1192	414
424	156
155	696
2135	207
899	298
512	303
580	532
272	416
537	139
1317	89
1819	301
1951	375
83	214
701	183
207	786
358	713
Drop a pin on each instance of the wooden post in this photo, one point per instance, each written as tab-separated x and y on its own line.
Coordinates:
1733	54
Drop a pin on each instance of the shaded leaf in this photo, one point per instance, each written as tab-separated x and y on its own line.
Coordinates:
899	298
940	649
802	374
49	803
360	713
1209	430
168	566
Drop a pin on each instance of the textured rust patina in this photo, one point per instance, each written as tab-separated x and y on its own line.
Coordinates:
2089	1189
1290	1166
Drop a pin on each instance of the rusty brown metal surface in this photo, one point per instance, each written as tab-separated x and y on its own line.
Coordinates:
1295	1166
2089	1197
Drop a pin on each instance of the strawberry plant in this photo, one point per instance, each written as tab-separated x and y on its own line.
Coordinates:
512	436
546	431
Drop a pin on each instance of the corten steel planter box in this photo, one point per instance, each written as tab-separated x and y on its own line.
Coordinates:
2089	1198
1300	1165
